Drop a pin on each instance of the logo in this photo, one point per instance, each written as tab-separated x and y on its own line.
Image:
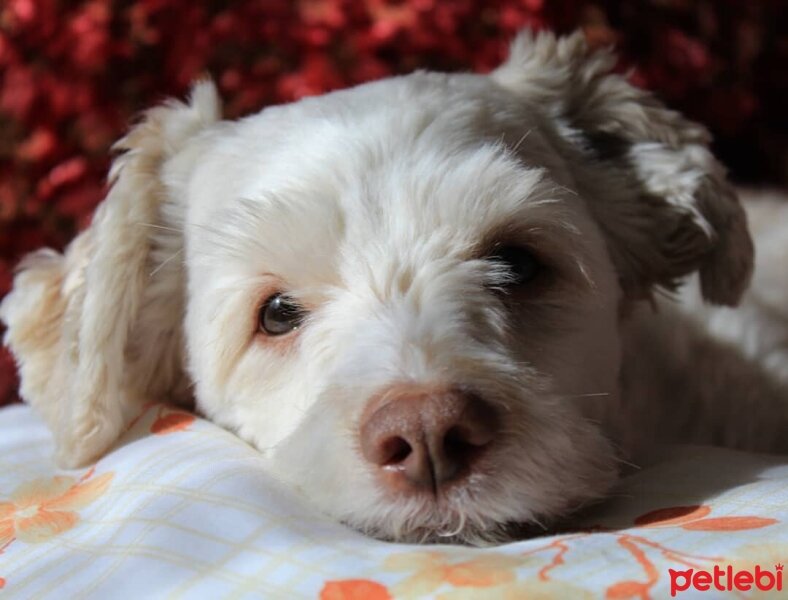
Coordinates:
726	579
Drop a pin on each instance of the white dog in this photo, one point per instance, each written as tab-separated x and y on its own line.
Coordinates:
427	300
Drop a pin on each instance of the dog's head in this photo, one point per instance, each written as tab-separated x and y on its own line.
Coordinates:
406	295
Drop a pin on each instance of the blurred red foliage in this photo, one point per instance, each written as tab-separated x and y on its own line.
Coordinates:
73	74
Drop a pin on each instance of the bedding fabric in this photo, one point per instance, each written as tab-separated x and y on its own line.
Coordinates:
180	508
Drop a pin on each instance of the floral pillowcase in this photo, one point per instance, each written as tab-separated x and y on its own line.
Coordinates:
181	507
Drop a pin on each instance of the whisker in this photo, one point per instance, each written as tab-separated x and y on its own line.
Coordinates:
627	463
591	395
164	263
620	495
533	519
154	226
457	530
520	141
566	189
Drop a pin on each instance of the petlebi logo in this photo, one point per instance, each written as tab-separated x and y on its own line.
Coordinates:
727	579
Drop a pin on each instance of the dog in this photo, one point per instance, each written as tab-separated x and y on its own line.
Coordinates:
442	306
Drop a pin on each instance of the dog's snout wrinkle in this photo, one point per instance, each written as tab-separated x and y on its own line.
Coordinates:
425	440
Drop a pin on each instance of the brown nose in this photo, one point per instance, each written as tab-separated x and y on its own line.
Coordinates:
423	440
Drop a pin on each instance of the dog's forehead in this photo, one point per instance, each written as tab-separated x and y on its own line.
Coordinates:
426	161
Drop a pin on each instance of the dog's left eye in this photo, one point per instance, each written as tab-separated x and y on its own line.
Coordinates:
521	263
280	315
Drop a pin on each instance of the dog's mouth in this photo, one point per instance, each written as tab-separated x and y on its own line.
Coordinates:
461	514
480	510
468	523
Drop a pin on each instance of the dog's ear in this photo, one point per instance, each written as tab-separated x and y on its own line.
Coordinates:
96	332
660	197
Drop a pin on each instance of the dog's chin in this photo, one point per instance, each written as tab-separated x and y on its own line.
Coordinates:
457	529
477	515
465	535
450	519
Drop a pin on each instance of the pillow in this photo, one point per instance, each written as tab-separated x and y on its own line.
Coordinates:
181	507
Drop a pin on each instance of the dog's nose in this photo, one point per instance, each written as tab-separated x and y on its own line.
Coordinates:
422	440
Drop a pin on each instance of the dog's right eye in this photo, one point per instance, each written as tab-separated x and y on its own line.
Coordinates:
280	315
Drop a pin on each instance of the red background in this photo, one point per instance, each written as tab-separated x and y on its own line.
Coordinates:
73	74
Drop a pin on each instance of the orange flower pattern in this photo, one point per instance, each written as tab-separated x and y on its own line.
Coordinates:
170	420
354	589
165	419
692	518
43	508
497	573
431	570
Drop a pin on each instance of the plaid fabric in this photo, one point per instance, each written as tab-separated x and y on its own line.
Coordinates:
181	508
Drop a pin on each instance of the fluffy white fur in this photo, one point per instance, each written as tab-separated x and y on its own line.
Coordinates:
377	208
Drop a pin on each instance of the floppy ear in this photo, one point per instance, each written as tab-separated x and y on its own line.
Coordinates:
96	332
660	197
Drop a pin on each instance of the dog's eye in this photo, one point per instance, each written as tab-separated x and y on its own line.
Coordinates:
522	264
280	315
